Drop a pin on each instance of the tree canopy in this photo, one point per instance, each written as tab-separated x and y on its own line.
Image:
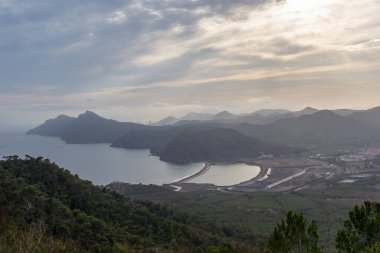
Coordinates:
361	231
294	235
95	219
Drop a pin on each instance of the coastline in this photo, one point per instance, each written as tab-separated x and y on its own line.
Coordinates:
179	183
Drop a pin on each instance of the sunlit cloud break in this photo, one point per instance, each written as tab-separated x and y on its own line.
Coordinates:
125	57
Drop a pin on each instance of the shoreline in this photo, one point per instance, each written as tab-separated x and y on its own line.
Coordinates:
185	180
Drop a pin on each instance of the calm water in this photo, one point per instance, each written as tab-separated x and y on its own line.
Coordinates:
228	174
98	163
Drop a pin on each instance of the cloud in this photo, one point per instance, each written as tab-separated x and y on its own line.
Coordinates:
124	53
259	100
371	44
281	46
118	17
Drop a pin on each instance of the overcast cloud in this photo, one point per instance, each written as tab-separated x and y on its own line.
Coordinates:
147	59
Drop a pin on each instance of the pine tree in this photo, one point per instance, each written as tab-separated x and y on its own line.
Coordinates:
294	235
361	231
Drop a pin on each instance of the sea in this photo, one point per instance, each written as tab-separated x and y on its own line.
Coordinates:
102	164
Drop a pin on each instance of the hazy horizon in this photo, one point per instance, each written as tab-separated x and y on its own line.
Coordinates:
25	126
146	60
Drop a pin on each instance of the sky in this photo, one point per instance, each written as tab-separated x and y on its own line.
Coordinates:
141	60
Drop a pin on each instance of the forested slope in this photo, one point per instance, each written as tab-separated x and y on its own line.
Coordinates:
78	214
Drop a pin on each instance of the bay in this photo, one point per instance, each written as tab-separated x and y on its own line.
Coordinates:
98	163
228	174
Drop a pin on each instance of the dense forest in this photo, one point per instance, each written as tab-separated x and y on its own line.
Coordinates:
47	209
261	211
360	233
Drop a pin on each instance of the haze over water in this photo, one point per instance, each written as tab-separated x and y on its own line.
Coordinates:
102	164
98	163
228	174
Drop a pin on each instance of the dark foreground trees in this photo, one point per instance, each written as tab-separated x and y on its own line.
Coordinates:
71	213
294	235
360	233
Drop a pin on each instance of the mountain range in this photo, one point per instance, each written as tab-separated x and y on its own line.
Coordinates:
261	117
88	127
215	145
323	129
226	136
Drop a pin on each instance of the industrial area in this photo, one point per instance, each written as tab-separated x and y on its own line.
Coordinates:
287	174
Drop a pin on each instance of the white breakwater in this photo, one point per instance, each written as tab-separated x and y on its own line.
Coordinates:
227	174
269	171
286	179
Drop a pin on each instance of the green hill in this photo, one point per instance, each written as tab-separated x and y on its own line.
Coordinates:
88	127
215	145
77	214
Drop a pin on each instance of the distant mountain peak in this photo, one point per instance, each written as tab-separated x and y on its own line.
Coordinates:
306	110
197	116
52	127
89	115
224	112
271	111
324	113
62	116
167	121
224	115
375	109
170	118
309	109
88	127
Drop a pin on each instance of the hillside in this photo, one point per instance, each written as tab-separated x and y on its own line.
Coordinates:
72	210
167	121
225	115
86	128
147	139
53	127
264	117
371	116
186	140
320	129
260	117
216	145
196	116
261	210
157	137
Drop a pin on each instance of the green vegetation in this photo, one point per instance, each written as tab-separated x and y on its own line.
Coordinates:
361	233
199	143
72	213
34	239
362	230
294	235
259	212
44	208
217	145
